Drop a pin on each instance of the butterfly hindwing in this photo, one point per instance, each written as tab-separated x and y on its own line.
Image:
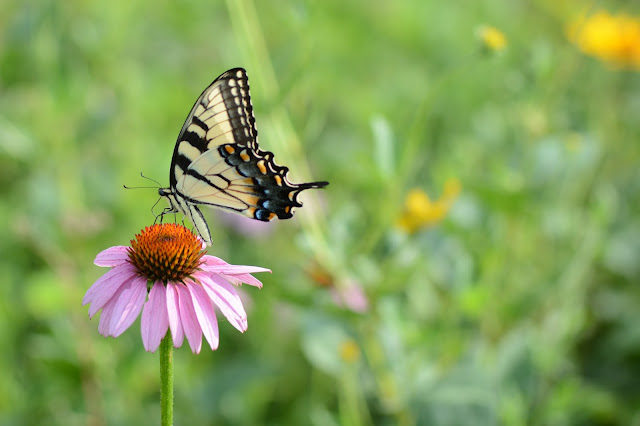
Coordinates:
246	181
217	160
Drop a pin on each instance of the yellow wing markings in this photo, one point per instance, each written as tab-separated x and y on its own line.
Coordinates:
219	184
262	167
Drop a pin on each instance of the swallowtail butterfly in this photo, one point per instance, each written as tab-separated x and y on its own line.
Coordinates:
217	161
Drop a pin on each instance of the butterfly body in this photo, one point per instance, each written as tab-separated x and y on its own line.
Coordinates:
217	160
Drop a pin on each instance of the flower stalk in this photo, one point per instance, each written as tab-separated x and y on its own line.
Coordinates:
166	380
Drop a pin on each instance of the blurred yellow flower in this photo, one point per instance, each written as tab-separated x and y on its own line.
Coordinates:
492	38
611	38
420	211
349	351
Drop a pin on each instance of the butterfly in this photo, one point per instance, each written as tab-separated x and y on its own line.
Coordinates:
217	161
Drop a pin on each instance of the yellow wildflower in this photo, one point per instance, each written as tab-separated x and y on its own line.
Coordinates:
349	351
492	39
611	38
420	211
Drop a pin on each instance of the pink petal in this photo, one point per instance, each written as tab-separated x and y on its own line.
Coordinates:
109	314
247	279
173	312
103	289
97	286
189	320
205	313
128	306
236	274
212	260
203	245
226	297
231	279
113	256
105	319
155	320
230	269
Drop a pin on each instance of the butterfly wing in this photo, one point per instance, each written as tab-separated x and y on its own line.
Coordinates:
217	160
222	114
243	180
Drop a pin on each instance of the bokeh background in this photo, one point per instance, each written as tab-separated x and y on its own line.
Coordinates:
474	260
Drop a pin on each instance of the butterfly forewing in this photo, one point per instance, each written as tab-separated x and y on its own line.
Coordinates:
222	114
217	160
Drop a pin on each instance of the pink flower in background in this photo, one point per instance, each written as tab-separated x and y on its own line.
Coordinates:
345	292
183	285
351	296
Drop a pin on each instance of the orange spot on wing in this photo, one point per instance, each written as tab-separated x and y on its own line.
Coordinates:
245	156
251	200
229	149
278	180
262	168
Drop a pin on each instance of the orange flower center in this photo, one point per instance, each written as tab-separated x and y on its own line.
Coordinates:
166	252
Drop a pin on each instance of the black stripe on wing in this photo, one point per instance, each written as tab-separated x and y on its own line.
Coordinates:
237	101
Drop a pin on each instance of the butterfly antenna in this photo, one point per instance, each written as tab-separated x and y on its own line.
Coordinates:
144	187
154	213
152	180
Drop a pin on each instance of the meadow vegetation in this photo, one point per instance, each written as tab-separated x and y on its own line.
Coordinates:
474	260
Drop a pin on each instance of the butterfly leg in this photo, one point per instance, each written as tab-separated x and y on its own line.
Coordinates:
161	215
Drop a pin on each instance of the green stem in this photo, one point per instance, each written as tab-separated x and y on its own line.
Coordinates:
246	23
166	380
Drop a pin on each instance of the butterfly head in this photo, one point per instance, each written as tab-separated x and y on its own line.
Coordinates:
174	205
165	192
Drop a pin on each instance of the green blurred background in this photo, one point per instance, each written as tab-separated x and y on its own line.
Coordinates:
518	305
